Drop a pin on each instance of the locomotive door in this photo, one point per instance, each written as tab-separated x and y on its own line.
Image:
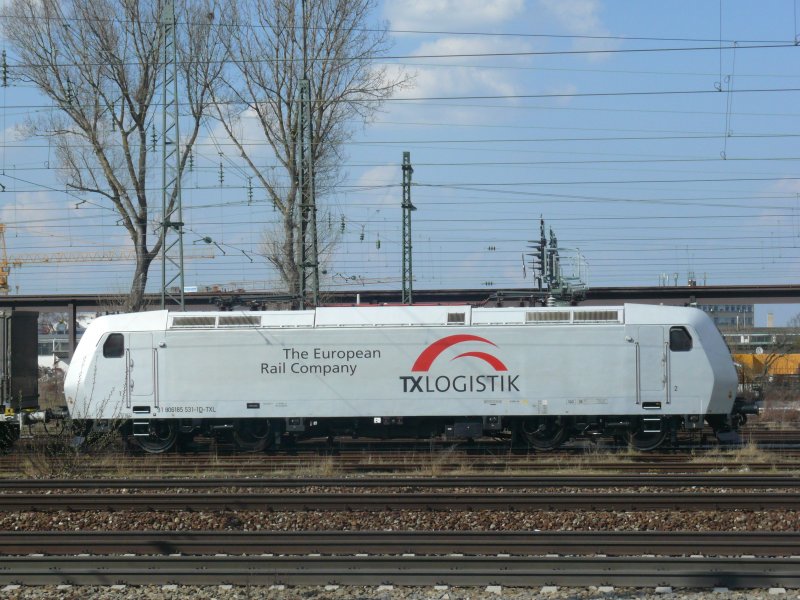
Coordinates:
141	367
651	364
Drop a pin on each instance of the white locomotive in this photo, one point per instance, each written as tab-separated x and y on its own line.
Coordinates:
541	374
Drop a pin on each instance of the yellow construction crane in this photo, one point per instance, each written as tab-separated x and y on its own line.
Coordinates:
16	261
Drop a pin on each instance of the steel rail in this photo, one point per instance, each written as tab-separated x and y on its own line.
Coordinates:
780	439
714	480
380	458
404	570
281	502
480	543
192	467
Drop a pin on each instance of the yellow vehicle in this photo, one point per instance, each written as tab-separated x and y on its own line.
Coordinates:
772	368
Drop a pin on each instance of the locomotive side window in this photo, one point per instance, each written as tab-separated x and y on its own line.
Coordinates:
114	346
679	340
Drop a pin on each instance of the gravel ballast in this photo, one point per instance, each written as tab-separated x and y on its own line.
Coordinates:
407	520
375	593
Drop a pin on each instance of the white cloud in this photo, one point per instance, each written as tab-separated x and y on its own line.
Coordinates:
463	75
460	76
429	15
379	176
384	179
468	50
32	214
785	186
247	130
581	18
577	16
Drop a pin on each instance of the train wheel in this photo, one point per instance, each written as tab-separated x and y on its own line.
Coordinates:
161	438
252	435
647	440
543	433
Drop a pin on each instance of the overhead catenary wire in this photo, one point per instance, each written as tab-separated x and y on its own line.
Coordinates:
714	196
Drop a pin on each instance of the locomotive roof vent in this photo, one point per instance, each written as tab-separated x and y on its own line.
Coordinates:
596	316
573	316
239	321
550	316
192	321
456	318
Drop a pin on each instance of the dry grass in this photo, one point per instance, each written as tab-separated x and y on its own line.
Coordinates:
781	409
51	389
58	455
738	459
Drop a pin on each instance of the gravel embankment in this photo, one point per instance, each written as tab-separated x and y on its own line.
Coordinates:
407	520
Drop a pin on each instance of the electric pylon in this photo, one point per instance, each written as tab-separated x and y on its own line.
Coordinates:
408	273
309	257
171	209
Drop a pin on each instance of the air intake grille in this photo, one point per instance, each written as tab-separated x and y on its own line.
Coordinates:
555	316
194	321
596	316
239	321
456	318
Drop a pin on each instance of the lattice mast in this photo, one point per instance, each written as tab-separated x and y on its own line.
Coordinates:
407	206
171	213
5	266
309	257
309	254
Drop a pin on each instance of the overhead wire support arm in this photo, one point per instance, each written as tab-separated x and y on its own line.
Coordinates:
171	205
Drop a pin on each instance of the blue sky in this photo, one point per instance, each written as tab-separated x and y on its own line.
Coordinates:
657	138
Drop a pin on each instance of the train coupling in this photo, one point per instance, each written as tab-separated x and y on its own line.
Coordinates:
742	408
748	408
59	413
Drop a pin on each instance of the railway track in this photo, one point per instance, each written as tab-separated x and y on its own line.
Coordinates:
709	492
517	543
49	462
462	558
717	480
282	502
778	450
523	571
124	466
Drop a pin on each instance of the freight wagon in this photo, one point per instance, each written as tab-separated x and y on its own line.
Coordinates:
19	374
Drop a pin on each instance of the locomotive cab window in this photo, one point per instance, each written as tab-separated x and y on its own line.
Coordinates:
679	339
114	346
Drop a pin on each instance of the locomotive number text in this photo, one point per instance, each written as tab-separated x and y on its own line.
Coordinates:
198	410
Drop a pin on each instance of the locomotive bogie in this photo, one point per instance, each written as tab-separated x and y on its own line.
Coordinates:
538	374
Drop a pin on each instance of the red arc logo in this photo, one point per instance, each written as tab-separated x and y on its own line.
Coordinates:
432	352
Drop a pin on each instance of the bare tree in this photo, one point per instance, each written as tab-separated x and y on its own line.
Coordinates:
100	63
266	45
785	344
272	247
